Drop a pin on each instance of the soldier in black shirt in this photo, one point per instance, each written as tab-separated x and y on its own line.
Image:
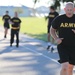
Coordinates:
6	19
65	25
15	27
50	17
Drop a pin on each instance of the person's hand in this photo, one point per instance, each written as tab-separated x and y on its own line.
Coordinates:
73	30
11	23
59	40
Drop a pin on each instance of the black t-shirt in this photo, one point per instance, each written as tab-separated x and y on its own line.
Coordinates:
16	22
51	16
6	18
64	26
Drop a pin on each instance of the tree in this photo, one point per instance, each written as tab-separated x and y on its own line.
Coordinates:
57	2
34	10
68	1
35	1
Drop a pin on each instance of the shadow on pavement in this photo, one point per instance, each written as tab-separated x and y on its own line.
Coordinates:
26	60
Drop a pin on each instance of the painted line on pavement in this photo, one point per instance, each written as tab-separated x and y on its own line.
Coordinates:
42	55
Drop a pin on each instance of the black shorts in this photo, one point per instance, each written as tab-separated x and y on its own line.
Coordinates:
66	54
48	29
6	25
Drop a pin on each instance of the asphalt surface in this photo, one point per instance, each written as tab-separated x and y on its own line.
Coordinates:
30	58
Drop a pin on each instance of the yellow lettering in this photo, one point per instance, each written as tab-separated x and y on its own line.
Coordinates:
66	24
62	25
6	17
51	15
70	24
74	25
16	20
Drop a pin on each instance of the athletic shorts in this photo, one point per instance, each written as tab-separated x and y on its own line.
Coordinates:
48	29
6	25
66	54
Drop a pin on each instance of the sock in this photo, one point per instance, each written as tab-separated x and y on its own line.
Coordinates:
49	44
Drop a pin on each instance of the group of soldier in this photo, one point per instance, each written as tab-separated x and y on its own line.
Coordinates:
15	26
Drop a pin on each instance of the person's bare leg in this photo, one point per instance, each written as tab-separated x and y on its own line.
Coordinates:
52	48
48	37
6	30
64	69
70	69
52	41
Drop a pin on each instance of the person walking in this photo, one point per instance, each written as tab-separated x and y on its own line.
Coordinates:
50	18
6	19
15	28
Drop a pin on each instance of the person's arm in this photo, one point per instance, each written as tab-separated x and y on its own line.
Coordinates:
19	24
55	36
47	17
11	21
53	33
3	18
19	27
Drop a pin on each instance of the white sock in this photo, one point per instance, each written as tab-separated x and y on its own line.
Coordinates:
49	43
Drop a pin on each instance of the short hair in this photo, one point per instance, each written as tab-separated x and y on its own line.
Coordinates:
69	3
52	7
7	11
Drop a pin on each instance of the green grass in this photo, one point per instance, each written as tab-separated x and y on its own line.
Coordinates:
33	26
36	27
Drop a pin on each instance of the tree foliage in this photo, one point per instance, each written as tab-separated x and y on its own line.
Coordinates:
34	10
57	2
35	1
68	0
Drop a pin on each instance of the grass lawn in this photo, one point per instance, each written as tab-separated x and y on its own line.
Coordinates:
35	27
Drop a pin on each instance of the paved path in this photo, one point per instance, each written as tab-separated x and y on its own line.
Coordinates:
31	58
